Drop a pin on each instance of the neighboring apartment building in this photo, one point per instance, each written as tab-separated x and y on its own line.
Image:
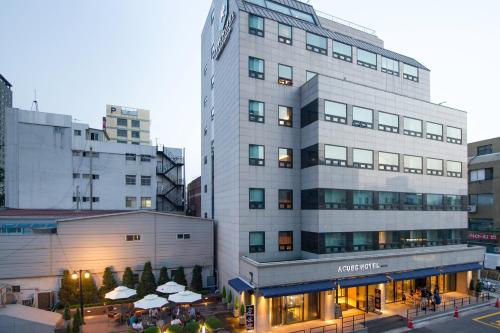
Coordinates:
194	198
484	193
124	124
333	180
39	244
5	102
53	163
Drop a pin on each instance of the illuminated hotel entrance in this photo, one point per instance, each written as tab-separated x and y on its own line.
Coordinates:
295	308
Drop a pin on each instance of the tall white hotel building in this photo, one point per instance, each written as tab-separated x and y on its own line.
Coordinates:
332	177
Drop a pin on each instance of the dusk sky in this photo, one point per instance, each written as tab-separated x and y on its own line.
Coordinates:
81	55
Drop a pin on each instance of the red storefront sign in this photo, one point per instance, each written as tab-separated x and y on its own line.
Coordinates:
481	236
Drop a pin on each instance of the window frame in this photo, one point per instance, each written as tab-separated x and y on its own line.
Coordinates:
341	56
145	180
388	128
360	165
254	74
488	149
453	173
257	161
118	120
387	70
285	164
413	170
367	64
255	204
431	136
360	123
334	118
255	118
133	202
145	199
255	31
454	140
284	80
284	39
285	247
434	172
333	161
315	48
128	180
285	122
409	76
120	131
261	248
388	167
285	205
411	132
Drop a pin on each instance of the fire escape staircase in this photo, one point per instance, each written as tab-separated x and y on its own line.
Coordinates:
175	185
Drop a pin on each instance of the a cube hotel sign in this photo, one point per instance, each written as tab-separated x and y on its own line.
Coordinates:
483	236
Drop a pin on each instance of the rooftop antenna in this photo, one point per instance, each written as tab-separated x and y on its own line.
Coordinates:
34	104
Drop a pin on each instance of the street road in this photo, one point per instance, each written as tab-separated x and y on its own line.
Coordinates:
484	321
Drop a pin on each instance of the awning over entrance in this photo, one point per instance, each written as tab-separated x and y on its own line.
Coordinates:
416	274
240	285
296	289
362	281
474	266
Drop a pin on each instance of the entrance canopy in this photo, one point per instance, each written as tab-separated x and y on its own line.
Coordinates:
461	268
362	281
416	274
295	289
240	285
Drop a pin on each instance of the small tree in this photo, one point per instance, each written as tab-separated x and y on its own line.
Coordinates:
242	309
108	282
479	286
471	285
196	281
230	296
77	322
180	277
147	284
90	292
224	295
68	292
128	278
66	313
163	276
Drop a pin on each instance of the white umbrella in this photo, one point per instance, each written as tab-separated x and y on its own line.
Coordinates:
120	292
150	301
170	287
184	297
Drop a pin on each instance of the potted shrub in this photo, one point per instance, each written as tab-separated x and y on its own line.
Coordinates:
193	326
66	316
242	314
213	323
236	309
230	300
175	329
224	295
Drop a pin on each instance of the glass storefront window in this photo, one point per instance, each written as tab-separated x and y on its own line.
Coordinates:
295	308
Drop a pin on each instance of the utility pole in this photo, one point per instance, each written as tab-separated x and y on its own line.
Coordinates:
91	179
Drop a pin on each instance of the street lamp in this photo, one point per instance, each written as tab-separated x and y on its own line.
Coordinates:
75	276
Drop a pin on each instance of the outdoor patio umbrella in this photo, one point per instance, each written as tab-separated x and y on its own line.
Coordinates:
150	301
170	287
120	292
184	297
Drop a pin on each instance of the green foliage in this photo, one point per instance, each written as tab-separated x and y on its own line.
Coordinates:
68	294
153	329
242	309
128	278
69	328
193	327
230	296
224	295
197	281
108	282
163	276
175	329
213	323
66	313
471	285
147	283
479	286
90	292
180	277
77	322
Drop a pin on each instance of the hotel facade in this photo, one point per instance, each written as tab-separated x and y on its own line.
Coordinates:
334	181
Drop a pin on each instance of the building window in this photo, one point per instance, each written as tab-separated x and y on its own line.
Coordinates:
434	131
87	176
130	157
130	179
256	68
145	158
89	154
367	59
390	66
480	175
336	112
130	202
413	164
94	137
388	122
285	116
136	134
388	161
256	155
136	123
76	153
316	43
257	242
284	34
285	199
183	236
122	141
412	201
410	72
434	167
145	180
131	238
453	135
310	75
433	201
484	150
388	200
285	75
256	111
76	175
95	199
453	169
122	122
205	131
145	202
454	202
309	113
334	199
335	155
362	158
285	240
362	200
285	158
362	117
412	127
255	25
212	114
121	133
342	51
257	198
205	188
77	133
205	159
